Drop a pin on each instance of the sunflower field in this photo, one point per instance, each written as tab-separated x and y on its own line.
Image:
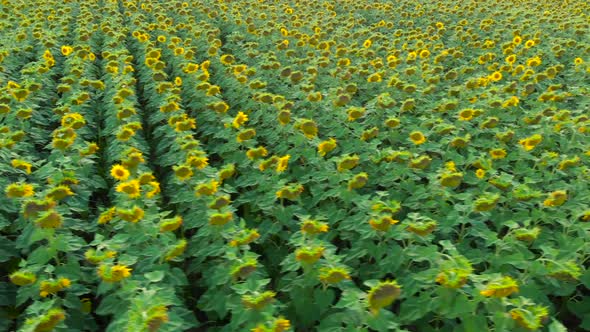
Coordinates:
312	165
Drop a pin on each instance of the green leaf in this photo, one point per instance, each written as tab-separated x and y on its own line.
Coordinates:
462	305
111	304
351	297
7	294
585	279
502	322
7	249
556	326
324	299
414	308
154	276
383	321
473	323
41	256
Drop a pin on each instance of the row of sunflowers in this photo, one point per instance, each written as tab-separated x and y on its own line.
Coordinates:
294	166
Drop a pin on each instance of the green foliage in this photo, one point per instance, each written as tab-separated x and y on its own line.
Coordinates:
274	166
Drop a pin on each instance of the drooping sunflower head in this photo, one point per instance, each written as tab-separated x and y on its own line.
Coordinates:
382	295
417	137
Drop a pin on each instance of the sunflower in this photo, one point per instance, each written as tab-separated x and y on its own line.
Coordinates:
132	215
511	59
198	162
466	114
206	189
4	109
170	225
530	317
369	134
177	250
131	188
11	85
486	202
60	192
219	107
282	163
66	50
422	228
534	62
498	153
502	287
169	107
178	51
355	113
220	219
375	78
22	278
290	192
227	172
308	128
382	295
527	235
185	125
348	163
213	90
517	40
256	153
344	62
556	198
358	181
240	119
511	102
19	190
496	76
183	172
90	150
119	172
281	325
531	142
309	255
49	219
49	287
106	216
219	202
146	177
47	55
417	137
114	273
313	227
480	173
259	301
155	316
21	164
191	68
245	135
567	163
20	95
451	179
155	189
242	271
326	146
227	59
